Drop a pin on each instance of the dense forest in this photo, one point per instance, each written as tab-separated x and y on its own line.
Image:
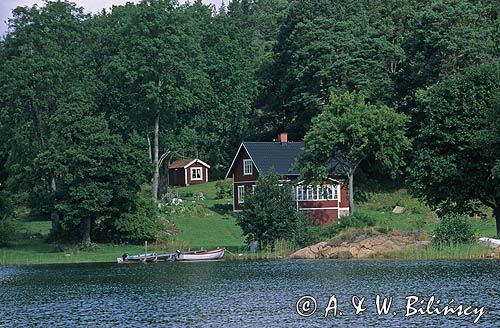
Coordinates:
92	107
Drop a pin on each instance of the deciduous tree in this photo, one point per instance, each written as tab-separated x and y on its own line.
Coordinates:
457	146
347	132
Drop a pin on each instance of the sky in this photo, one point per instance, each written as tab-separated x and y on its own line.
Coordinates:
92	6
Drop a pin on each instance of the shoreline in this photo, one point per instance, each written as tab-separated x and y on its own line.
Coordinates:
450	253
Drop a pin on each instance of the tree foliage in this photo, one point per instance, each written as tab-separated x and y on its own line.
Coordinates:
89	104
270	213
347	132
457	147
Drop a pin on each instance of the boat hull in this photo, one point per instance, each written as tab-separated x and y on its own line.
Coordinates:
216	254
150	257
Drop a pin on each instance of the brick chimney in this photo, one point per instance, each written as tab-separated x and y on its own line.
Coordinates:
283	137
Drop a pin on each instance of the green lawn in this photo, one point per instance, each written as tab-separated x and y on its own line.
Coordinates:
214	225
210	223
417	216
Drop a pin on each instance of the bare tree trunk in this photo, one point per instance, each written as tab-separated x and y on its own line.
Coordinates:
149	147
156	166
351	192
54	216
87	221
496	213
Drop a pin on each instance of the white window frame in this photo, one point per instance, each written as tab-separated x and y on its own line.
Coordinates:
253	188
317	193
241	194
194	169
246	166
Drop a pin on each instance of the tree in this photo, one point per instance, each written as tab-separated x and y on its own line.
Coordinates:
43	60
155	67
457	146
444	37
99	172
270	212
347	132
334	46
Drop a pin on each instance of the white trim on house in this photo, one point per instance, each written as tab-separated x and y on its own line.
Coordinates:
237	210
344	208
234	159
246	161
196	160
192	169
234	198
241	194
244	182
318	193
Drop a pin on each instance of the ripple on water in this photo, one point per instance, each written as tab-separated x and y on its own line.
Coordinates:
239	294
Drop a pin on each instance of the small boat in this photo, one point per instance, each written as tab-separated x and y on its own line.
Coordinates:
149	257
200	255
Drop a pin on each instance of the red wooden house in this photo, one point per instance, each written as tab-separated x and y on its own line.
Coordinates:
186	172
323	203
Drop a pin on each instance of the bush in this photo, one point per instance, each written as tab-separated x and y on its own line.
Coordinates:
270	213
224	189
304	233
356	220
140	224
453	230
8	229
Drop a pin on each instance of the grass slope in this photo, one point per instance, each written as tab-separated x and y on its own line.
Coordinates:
212	226
210	223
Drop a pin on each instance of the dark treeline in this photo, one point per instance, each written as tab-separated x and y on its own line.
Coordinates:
93	107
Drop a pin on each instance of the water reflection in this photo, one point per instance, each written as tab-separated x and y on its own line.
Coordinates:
241	293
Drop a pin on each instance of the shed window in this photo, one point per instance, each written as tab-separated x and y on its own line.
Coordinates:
247	167
196	173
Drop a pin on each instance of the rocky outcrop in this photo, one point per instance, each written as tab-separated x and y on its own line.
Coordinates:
363	244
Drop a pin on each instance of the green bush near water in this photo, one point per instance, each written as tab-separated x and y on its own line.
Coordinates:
270	213
453	230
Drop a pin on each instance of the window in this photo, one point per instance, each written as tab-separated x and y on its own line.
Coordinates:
241	194
327	192
331	192
309	193
253	188
247	167
196	173
300	193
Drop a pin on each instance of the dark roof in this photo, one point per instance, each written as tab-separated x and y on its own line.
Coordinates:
277	155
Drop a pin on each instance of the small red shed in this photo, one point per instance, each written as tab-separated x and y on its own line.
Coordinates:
185	172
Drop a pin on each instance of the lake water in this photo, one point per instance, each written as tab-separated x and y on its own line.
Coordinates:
246	293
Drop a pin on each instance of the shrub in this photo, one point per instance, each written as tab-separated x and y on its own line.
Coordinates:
304	233
8	227
169	196
452	230
8	231
270	213
223	189
356	220
140	224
